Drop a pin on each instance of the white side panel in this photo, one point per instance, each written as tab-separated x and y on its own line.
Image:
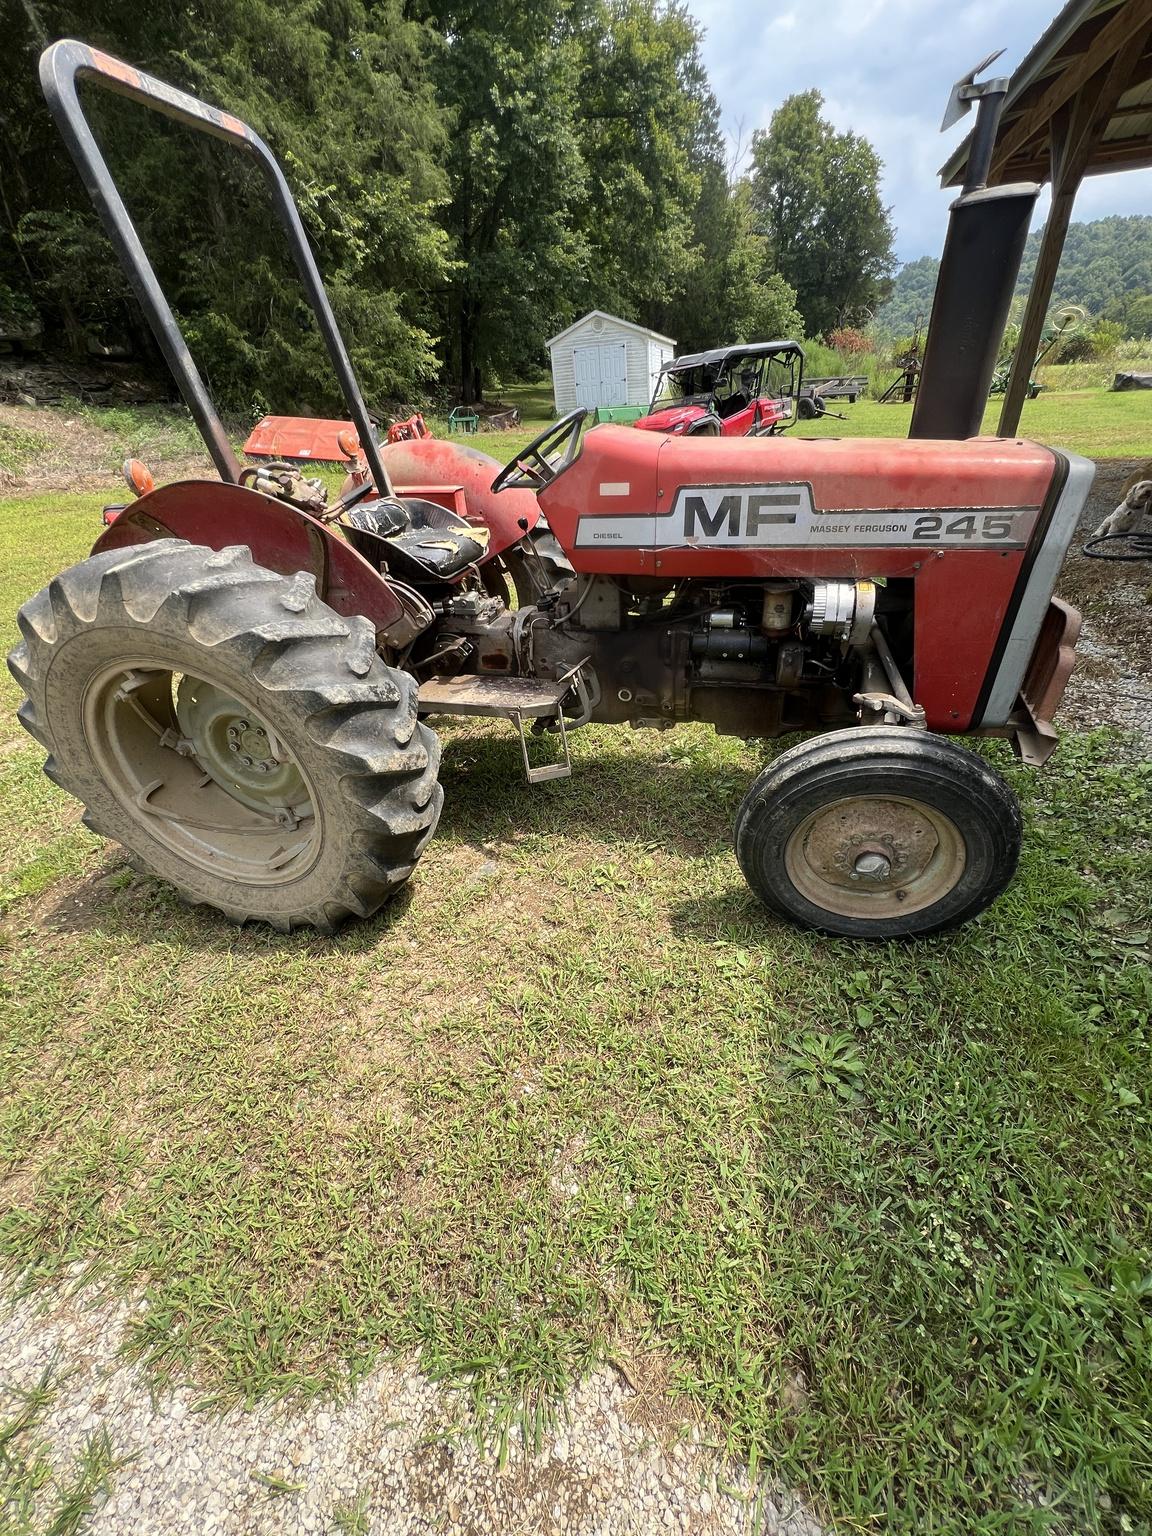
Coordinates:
563	380
639	370
656	352
1038	593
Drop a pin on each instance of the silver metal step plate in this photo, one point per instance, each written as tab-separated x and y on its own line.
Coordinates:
502	697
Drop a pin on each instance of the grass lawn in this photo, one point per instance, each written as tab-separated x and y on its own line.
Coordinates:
881	1213
1097	423
1093	422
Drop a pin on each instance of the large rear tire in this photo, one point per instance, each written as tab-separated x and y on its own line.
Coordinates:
880	832
231	730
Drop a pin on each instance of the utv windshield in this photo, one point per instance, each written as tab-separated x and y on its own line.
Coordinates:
685	386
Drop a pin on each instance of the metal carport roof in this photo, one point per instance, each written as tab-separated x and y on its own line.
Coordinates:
1079	105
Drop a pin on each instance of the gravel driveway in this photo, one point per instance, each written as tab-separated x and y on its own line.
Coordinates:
1112	684
396	1459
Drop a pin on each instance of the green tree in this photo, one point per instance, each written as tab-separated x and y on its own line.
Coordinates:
1106	266
1133	313
910	301
672	244
729	295
644	125
508	76
817	192
339	89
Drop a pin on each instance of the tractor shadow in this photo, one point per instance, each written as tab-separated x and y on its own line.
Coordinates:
732	916
621	799
683	804
120	901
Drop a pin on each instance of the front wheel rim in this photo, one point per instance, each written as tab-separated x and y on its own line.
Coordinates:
875	857
203	772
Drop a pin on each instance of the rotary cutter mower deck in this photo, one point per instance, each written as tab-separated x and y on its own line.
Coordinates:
236	682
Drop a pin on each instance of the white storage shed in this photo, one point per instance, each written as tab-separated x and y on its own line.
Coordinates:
603	360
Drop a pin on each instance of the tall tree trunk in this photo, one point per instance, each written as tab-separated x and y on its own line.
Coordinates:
470	376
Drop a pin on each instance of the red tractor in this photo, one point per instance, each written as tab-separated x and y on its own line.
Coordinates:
742	391
236	683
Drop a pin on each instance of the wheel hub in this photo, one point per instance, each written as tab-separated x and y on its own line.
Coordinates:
239	751
871	866
251	745
205	774
868	854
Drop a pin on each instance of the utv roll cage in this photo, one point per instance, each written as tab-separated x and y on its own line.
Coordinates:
719	362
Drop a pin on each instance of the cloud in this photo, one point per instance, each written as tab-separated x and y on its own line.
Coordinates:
885	68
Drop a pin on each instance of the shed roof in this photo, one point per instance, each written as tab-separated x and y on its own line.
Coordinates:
1088	36
600	314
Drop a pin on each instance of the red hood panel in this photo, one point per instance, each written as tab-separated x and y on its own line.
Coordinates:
622	473
671	416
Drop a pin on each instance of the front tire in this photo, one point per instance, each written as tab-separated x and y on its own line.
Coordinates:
879	832
231	730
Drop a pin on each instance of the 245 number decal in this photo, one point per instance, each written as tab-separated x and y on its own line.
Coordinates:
986	527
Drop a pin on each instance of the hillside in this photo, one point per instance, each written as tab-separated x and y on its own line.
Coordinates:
1107	267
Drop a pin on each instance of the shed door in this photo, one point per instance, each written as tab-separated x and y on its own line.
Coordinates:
601	374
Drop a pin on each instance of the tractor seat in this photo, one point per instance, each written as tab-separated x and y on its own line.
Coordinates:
417	539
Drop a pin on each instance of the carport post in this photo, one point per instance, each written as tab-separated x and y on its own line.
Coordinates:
1075	132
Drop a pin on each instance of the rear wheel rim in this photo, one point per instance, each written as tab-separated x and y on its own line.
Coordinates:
875	856
203	772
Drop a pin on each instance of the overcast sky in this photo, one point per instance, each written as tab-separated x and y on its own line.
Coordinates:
885	68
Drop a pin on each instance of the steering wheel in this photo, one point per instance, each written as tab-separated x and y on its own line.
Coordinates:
544	457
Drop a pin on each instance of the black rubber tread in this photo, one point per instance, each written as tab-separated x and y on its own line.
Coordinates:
373	764
884	759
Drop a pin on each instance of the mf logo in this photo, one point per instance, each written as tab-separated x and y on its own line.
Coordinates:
752	514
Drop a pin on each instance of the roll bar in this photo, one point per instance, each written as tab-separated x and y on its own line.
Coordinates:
61	67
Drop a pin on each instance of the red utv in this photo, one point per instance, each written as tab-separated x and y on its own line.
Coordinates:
740	391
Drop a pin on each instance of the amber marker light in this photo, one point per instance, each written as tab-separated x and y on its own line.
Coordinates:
138	477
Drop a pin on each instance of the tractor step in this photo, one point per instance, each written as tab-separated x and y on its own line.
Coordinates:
505	698
499	696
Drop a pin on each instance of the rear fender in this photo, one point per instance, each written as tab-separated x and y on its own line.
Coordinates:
435	462
281	538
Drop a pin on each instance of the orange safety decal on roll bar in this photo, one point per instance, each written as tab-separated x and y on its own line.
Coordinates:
107	65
